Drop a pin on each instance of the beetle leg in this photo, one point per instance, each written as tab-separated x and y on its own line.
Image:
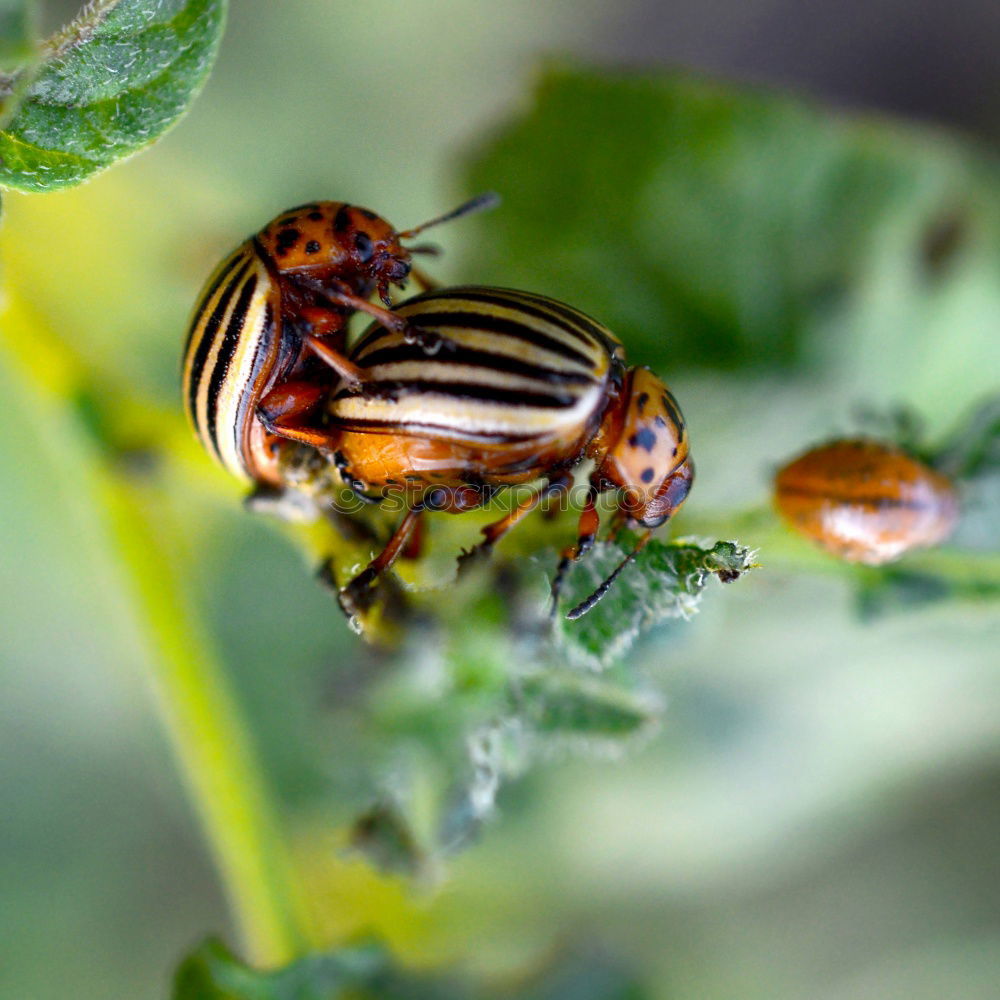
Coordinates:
430	341
352	595
415	545
322	321
339	292
352	375
589	522
494	532
283	410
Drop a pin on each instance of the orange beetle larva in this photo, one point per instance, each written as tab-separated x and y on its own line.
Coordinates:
865	501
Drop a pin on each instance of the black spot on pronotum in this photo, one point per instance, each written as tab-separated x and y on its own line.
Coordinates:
316	216
368	213
643	438
363	244
342	219
312	246
287	238
290	221
647	475
642	401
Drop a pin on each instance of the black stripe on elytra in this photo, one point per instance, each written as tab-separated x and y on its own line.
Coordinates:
393	390
539	306
227	347
488	323
674	412
874	502
224	272
570	315
421	428
208	338
458	355
263	358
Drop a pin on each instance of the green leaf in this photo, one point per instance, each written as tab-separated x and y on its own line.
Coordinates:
665	582
107	85
973	450
561	702
17	33
717	227
368	972
894	588
213	973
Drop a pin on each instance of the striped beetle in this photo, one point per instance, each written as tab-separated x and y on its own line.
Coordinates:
523	388
865	501
276	301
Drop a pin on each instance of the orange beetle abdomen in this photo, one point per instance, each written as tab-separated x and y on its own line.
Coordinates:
865	501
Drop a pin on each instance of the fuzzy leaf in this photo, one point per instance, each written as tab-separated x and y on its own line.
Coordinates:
566	703
107	85
213	973
368	972
665	582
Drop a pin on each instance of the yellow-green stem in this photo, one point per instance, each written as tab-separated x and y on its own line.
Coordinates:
210	740
781	550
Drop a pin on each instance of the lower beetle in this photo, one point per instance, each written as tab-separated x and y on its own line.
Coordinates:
523	388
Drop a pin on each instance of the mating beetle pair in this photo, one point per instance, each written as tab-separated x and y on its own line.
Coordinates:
450	396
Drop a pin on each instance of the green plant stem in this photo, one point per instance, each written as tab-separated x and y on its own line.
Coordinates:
210	740
200	713
781	550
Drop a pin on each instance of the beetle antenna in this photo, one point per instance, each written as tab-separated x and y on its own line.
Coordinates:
478	204
584	606
432	249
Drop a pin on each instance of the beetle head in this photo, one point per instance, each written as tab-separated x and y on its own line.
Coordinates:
648	458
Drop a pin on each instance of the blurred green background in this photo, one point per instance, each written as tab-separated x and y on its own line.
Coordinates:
818	815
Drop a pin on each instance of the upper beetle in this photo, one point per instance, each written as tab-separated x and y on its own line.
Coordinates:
524	389
279	299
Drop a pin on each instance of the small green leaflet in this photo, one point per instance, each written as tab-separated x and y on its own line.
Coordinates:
105	86
368	972
665	582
